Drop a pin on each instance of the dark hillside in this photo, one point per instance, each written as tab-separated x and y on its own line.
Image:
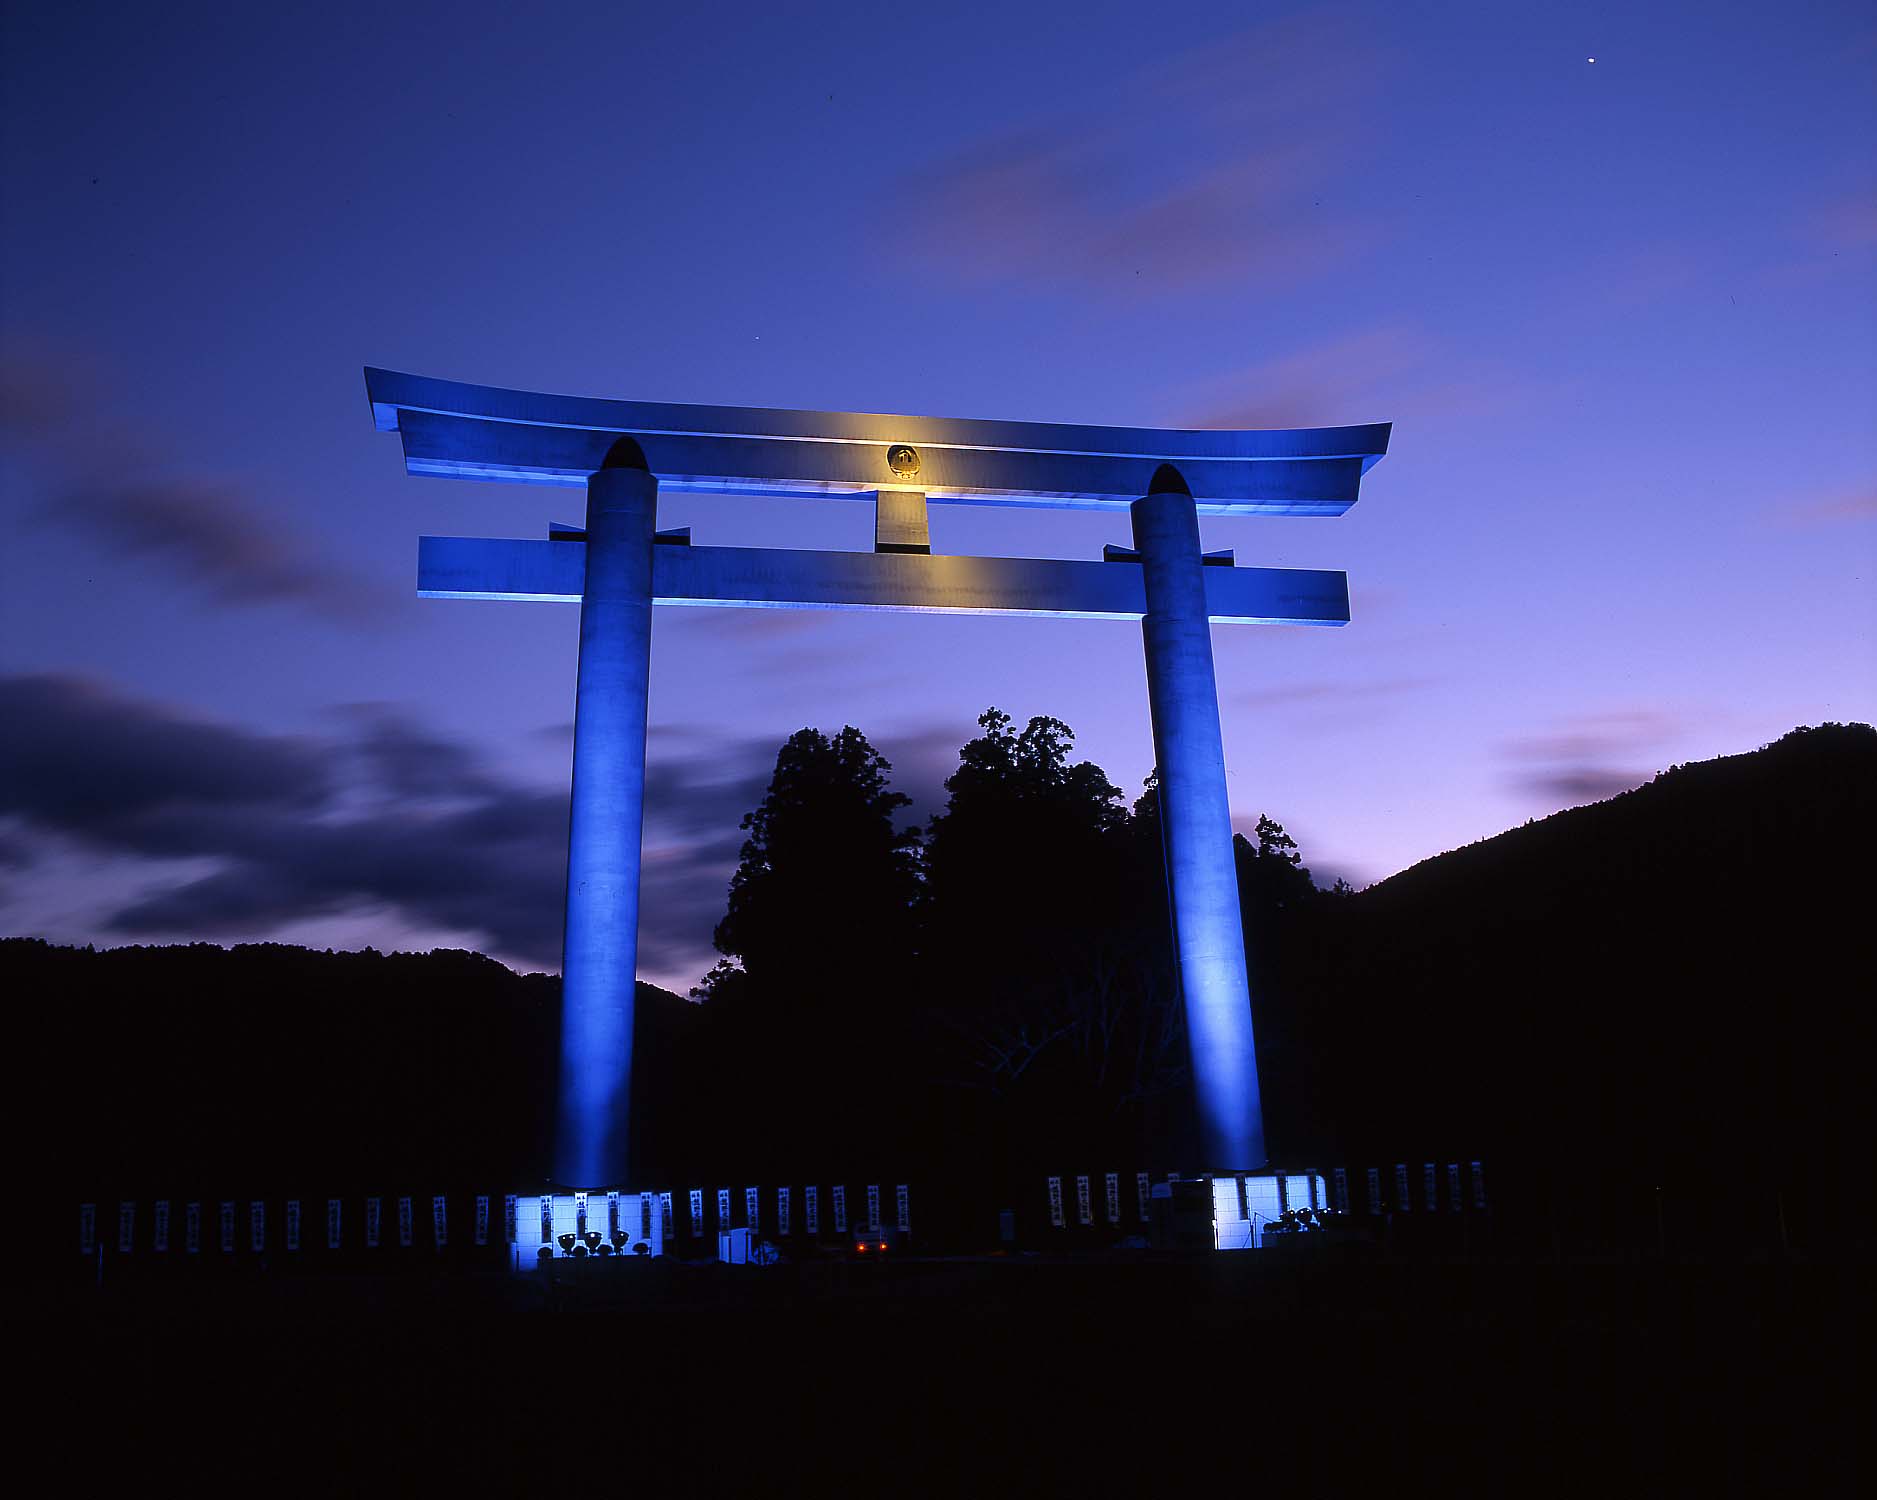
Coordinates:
1670	988
173	1069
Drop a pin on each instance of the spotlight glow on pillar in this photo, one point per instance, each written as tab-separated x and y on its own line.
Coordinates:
601	938
1196	825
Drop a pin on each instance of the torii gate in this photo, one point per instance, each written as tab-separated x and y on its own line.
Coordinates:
620	565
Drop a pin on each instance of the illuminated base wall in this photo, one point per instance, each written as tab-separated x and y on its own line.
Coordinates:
640	1215
1243	1204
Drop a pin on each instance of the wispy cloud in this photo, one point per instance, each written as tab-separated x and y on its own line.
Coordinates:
1591	756
1389	373
1214	168
218	543
1831	238
292	826
213	830
214	537
1331	693
1848	505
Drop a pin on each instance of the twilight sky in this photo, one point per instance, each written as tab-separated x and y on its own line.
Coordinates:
1622	313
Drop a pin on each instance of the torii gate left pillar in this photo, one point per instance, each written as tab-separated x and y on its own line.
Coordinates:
600	948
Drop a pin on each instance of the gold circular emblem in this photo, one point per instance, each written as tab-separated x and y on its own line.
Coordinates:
903	459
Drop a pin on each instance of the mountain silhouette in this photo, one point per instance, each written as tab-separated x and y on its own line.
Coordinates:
1668	990
1649	1016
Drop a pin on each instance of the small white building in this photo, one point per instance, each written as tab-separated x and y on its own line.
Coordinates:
635	1222
1244	1203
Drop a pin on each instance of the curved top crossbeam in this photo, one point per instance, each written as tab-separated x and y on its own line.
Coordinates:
465	431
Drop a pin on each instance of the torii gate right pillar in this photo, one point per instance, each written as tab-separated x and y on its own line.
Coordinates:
1196	826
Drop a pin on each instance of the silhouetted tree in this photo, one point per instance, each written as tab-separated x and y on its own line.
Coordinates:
1047	990
819	934
825	885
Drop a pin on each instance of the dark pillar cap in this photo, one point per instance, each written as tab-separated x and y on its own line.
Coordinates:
625	454
1168	480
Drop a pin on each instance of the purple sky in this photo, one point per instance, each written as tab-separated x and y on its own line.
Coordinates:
1622	314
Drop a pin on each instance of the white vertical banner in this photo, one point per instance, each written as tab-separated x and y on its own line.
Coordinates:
645	1217
697	1212
612	1216
1429	1189
87	1229
374	1221
482	1218
293	1223
192	1229
902	1209
1479	1185
782	1212
753	1210
126	1227
839	1190
811	1209
439	1219
873	1207
723	1209
1375	1191
664	1216
1453	1186
160	1223
1339	1198
1084	1213
511	1226
580	1216
1113	1185
257	1225
227	1216
547	1219
404	1221
1143	1190
1055	1202
333	1223
1402	1199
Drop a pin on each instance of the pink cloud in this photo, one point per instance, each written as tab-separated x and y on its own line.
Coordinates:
1392	373
1858	503
1850	223
1831	238
1319	386
1588	757
1208	169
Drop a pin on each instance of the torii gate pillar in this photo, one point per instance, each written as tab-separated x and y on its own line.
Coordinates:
1196	825
599	957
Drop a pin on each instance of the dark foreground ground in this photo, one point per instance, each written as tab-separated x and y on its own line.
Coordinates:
1034	1376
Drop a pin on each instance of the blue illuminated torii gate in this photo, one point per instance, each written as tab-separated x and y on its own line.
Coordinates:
620	565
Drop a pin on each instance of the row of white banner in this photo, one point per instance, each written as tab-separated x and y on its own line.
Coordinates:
1475	1195
783	1219
1084	1208
1143	1191
227	1215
